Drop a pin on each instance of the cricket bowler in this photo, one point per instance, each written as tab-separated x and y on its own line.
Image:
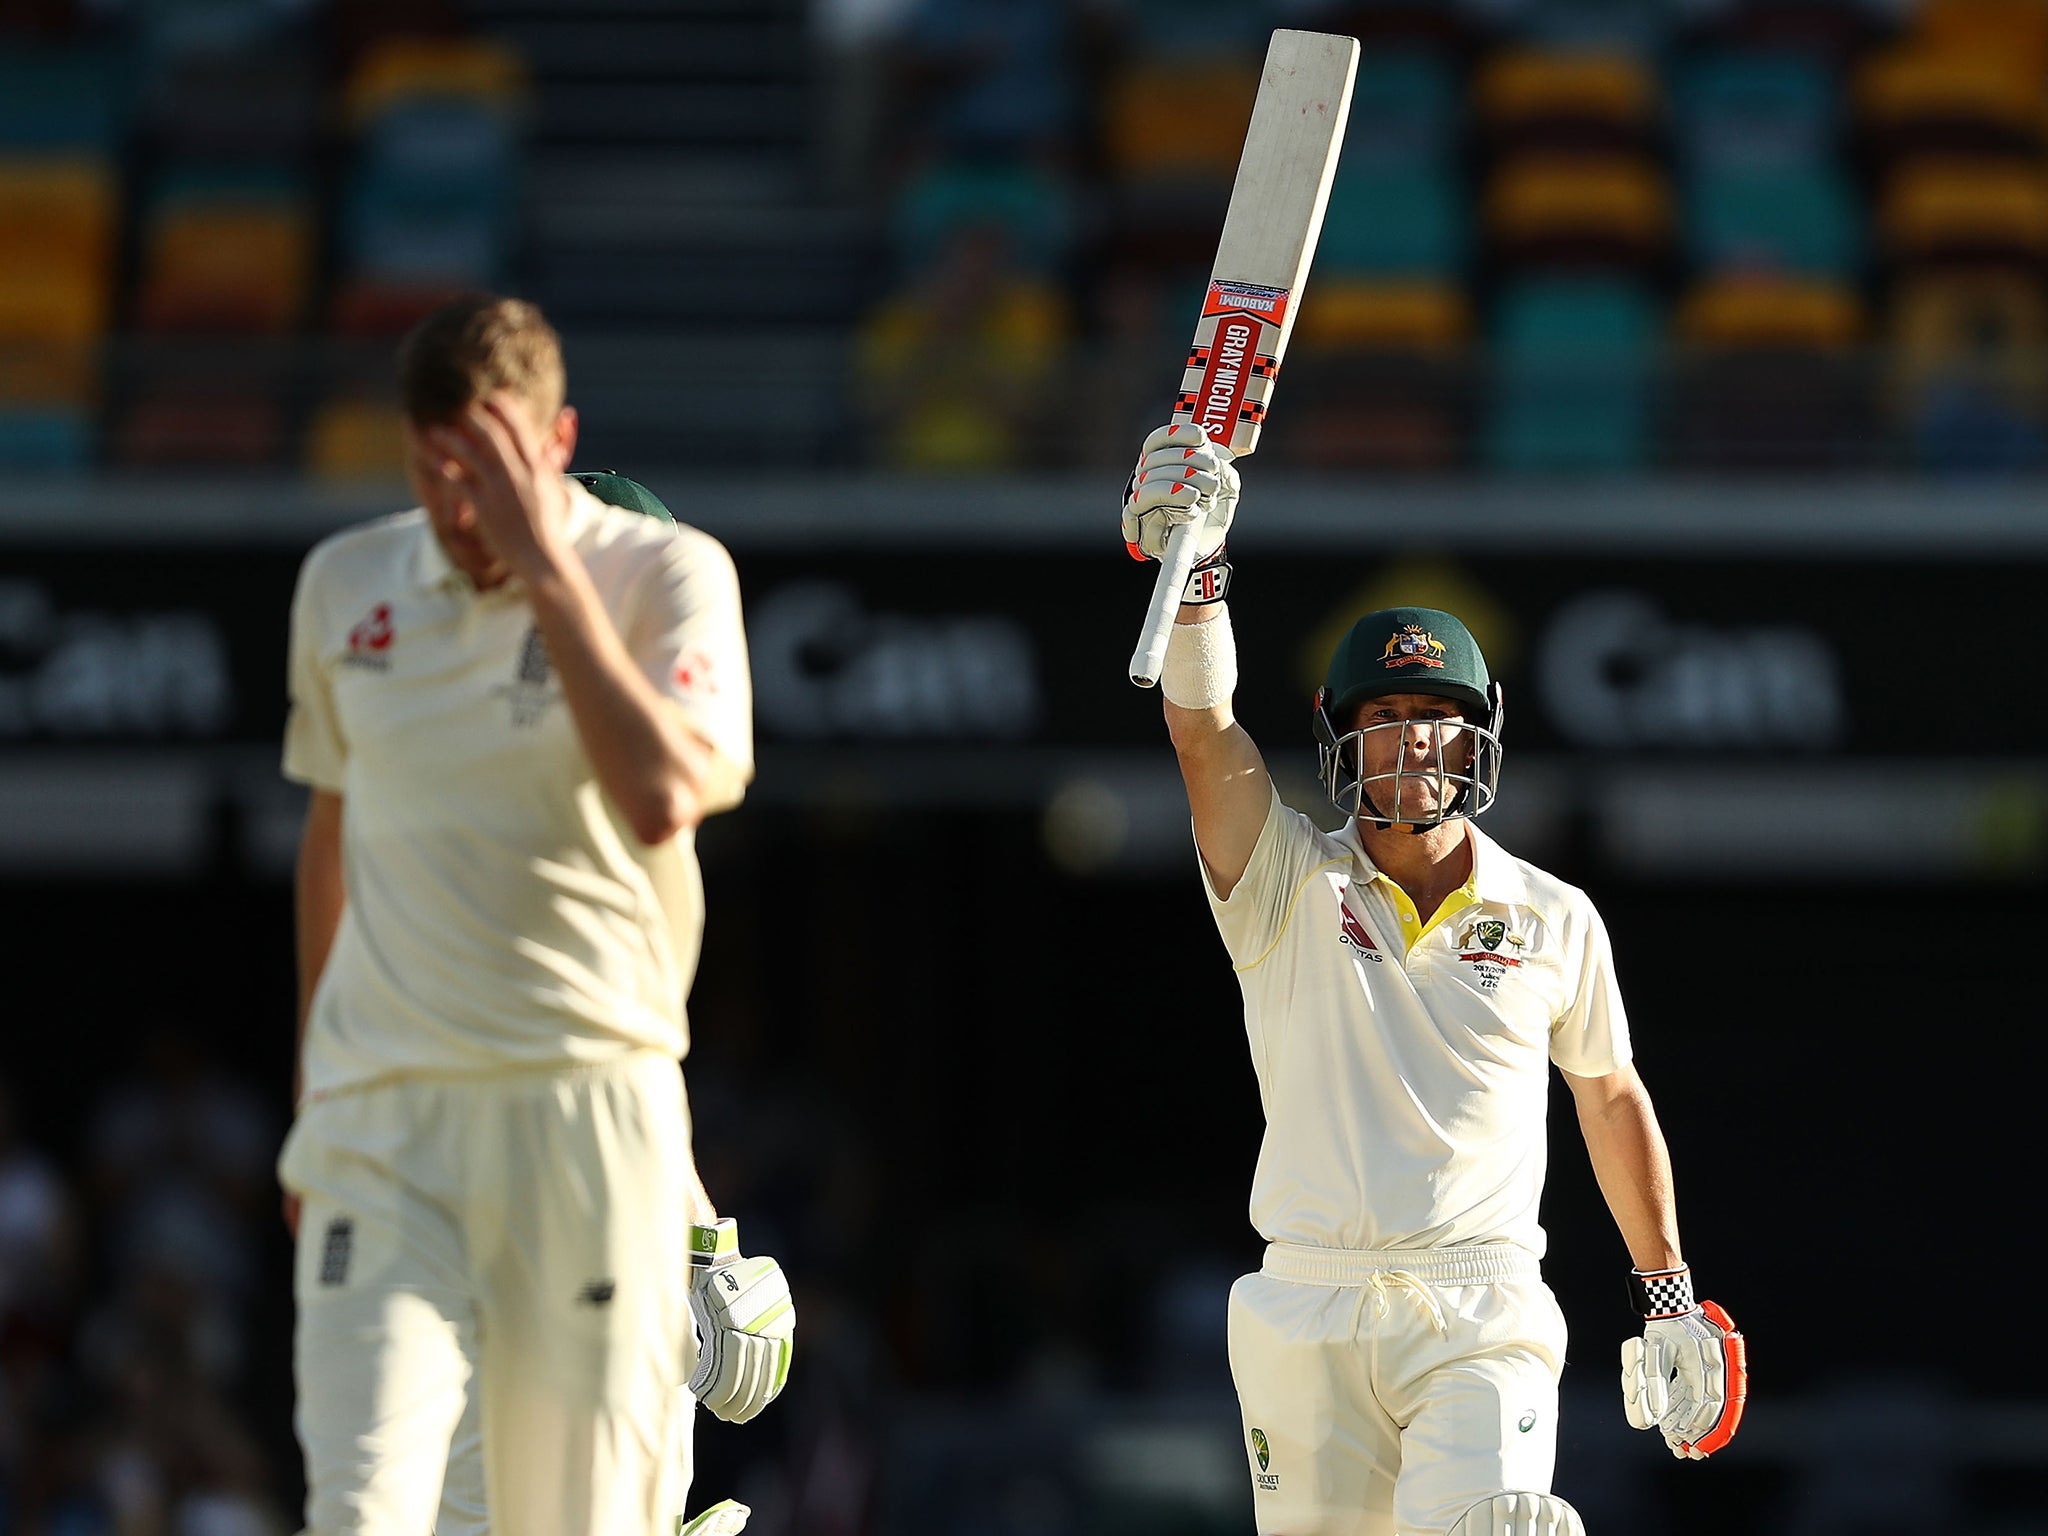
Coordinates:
513	705
1407	982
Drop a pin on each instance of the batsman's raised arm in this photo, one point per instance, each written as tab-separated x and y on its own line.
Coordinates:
1182	477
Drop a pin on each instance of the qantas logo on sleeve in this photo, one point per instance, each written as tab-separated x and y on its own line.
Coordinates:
369	643
1352	932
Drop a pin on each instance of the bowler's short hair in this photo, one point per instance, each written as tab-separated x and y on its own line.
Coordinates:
473	347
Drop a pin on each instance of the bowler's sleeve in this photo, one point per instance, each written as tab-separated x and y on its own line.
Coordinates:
691	642
315	748
1257	910
1590	1038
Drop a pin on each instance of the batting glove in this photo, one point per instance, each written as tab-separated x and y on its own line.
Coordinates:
1688	1375
746	1324
1181	477
728	1517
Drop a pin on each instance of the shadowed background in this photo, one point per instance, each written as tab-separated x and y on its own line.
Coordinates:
1694	353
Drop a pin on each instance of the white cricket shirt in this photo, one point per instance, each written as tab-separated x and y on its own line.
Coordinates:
500	913
1403	1060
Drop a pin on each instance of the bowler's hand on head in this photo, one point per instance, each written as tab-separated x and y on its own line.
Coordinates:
495	459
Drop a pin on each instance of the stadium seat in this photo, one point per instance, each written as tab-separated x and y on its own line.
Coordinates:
1969	381
235	257
1767	377
181	424
2011	29
1915	102
1612	211
59	100
1831	32
408	68
1965	212
1569	101
1179	123
48	403
1756	111
1394	221
57	231
1405	111
1378	378
1798	220
1033	208
45	439
1574	373
355	437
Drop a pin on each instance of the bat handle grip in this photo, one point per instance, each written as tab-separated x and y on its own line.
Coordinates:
1167	587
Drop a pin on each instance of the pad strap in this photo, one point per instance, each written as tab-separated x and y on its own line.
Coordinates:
1661	1292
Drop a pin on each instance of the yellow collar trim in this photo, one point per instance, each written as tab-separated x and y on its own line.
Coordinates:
1412	925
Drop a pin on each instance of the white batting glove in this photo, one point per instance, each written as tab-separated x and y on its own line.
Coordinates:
1180	477
1688	1375
746	1324
728	1517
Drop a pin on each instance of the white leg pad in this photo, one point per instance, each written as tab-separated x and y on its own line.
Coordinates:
1519	1514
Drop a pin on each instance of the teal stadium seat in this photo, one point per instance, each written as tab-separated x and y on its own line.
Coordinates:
1032	208
1574	375
1796	220
434	194
45	439
1756	111
59	101
1395	221
1406	110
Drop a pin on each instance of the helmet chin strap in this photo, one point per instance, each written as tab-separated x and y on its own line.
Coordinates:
1413	828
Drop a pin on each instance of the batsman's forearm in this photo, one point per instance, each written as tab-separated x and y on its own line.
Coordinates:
1633	1168
647	760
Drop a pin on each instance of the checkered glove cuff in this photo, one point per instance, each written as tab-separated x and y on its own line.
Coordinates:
1661	1292
1208	582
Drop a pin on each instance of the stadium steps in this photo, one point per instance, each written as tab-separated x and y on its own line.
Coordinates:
675	227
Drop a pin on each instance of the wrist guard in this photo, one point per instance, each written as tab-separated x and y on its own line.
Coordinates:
1658	1293
1208	582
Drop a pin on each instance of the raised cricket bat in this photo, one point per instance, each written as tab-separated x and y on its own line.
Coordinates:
1269	238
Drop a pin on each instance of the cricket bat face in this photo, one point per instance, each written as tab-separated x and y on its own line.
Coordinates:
1269	236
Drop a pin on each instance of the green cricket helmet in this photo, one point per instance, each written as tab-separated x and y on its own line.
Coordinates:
1410	650
606	485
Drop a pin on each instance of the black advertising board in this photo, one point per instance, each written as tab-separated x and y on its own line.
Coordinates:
1650	655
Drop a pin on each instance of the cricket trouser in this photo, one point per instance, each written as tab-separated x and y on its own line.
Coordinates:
519	1239
1384	1393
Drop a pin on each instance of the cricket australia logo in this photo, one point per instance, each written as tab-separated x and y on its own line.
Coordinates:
1411	645
1488	961
531	691
1265	1480
1351	933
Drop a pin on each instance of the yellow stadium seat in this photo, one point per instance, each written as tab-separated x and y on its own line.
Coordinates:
1767	312
1356	316
226	268
1617	206
48	372
1526	97
1918	100
1964	210
1186	122
352	438
2015	30
57	226
407	68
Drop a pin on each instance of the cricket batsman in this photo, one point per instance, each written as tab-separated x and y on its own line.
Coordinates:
513	705
1407	983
